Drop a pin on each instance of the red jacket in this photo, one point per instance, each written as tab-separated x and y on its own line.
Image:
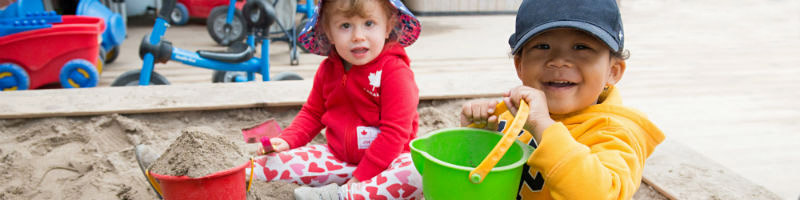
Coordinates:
370	111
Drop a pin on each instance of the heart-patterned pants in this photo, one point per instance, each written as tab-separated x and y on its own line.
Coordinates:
315	165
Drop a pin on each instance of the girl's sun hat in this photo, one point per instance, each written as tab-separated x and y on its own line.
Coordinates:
406	31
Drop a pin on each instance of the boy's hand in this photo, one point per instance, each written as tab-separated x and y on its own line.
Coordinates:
479	112
278	145
539	116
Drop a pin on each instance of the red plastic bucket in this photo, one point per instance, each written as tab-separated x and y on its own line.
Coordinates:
228	184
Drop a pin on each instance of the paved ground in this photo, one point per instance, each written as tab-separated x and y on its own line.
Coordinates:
719	76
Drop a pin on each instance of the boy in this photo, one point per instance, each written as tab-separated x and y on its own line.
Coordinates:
569	54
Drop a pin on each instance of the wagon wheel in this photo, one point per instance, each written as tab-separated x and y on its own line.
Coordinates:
112	54
179	15
13	77
101	61
222	33
131	78
78	73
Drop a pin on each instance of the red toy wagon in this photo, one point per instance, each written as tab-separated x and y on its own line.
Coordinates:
66	53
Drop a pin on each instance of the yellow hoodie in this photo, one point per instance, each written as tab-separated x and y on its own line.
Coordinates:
596	153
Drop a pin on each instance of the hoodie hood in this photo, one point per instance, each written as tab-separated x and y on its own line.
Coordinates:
611	105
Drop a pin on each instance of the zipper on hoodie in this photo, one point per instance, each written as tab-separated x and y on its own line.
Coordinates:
348	129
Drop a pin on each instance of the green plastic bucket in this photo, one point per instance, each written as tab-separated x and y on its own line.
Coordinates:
445	157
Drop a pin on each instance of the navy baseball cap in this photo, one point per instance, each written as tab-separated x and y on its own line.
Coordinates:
601	18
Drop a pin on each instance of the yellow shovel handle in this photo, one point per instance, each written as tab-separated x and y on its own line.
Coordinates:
509	135
153	182
252	166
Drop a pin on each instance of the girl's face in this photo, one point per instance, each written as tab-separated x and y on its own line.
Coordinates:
570	66
359	39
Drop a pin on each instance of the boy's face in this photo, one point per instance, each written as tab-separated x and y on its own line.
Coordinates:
359	40
570	66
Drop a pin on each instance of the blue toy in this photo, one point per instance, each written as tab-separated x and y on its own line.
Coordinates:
20	8
235	65
115	31
24	16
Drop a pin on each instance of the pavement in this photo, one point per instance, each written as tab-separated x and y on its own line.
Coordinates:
718	75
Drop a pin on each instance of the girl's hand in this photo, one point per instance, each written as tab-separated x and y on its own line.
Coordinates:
479	112
278	145
539	116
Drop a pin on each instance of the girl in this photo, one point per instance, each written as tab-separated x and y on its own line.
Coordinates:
365	95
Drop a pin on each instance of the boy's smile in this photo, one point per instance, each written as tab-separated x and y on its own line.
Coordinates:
570	66
359	39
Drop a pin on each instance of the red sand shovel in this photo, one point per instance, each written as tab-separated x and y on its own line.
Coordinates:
262	133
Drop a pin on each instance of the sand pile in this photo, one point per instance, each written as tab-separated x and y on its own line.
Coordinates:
198	152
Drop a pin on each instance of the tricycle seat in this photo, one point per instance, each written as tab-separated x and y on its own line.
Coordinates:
236	53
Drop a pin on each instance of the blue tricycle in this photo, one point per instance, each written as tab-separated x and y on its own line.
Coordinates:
237	64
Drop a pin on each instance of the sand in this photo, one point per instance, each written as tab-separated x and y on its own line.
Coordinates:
276	190
198	152
93	158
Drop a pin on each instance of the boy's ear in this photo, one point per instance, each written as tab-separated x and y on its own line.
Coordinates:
616	71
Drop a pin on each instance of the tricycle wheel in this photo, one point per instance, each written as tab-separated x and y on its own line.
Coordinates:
285	76
13	77
225	34
179	15
227	76
131	78
112	54
78	73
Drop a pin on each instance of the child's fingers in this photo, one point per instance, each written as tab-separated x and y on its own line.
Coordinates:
466	114
522	92
492	123
510	105
260	151
490	107
471	112
279	144
479	113
464	121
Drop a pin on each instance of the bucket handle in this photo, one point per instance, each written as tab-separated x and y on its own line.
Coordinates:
158	187
509	136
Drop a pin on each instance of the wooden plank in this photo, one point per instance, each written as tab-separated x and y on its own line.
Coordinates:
145	99
656	188
208	96
678	172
